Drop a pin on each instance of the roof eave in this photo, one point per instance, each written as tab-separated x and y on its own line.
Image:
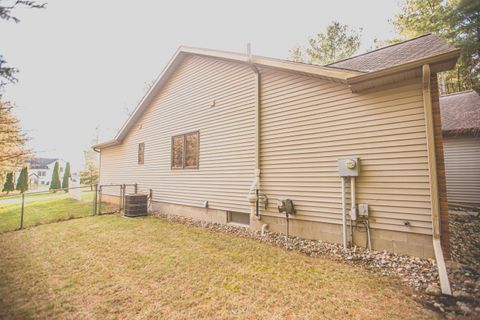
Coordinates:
105	144
325	72
440	62
354	79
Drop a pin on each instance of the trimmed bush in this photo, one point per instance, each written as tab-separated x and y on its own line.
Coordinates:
55	183
66	177
9	185
22	182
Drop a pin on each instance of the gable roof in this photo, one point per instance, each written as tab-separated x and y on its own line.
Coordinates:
460	113
355	79
41	163
395	54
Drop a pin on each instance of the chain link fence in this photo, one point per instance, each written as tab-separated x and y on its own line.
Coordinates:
110	198
34	208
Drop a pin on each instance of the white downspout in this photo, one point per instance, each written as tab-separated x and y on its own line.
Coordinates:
344	213
437	248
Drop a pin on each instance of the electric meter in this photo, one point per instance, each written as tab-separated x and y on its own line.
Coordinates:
348	167
350	164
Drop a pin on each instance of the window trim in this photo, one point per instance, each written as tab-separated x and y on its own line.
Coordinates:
184	139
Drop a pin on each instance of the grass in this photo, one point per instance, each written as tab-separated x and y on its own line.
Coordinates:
111	267
17	193
40	211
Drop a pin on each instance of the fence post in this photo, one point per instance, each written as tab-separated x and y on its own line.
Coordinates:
123	196
100	200
95	199
120	199
23	209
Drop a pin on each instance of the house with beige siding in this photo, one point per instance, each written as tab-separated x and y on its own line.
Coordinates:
225	137
461	141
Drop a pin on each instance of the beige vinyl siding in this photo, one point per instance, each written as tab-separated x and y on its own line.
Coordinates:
462	169
226	160
307	124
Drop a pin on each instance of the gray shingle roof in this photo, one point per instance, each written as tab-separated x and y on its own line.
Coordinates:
396	54
460	112
40	163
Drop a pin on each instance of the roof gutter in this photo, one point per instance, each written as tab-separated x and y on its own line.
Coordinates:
105	145
449	55
325	72
432	168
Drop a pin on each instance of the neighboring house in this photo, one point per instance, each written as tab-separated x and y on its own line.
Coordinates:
461	142
217	126
43	168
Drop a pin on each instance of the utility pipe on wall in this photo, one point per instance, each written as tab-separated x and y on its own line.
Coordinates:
255	188
344	213
353	208
432	169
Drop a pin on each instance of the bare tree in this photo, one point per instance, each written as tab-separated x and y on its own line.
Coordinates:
6	13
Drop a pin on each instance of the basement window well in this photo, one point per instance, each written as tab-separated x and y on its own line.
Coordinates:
238	218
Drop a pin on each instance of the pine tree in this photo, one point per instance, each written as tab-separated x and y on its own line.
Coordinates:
22	182
66	177
337	42
55	183
9	185
457	21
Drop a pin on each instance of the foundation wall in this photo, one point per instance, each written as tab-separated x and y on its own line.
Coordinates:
393	241
197	213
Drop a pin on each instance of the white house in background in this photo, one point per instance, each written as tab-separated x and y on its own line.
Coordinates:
41	170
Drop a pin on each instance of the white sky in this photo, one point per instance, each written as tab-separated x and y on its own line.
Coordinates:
83	63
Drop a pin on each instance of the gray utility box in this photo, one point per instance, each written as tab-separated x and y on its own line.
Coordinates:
136	205
348	167
363	210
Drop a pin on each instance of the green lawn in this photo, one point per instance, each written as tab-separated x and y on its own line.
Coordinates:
39	210
110	267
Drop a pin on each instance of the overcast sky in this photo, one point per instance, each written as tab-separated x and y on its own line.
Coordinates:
84	63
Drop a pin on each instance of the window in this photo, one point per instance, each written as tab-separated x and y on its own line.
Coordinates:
185	151
141	153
